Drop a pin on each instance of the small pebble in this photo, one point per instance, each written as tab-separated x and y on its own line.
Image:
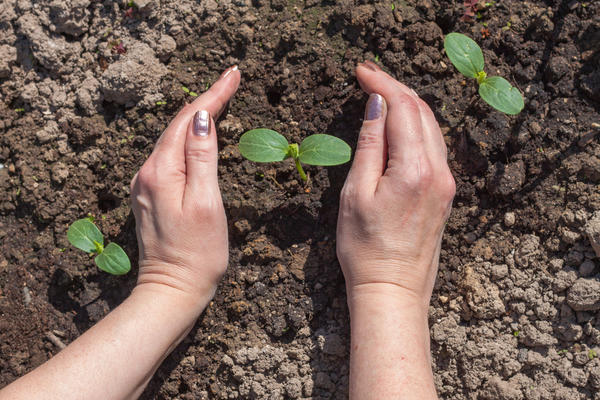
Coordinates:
26	296
509	219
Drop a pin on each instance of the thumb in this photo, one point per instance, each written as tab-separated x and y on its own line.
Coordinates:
370	157
201	154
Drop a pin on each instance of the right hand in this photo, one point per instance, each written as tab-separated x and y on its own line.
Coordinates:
180	219
397	196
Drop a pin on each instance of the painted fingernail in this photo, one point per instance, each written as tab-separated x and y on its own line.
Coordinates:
201	124
374	108
372	66
228	71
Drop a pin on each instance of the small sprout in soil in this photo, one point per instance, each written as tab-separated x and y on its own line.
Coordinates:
86	236
471	8
266	145
516	333
467	57
161	103
393	6
188	91
19	110
117	47
563	352
592	354
377	58
507	26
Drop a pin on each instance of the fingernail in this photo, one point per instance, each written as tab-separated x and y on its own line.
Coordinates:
228	71
372	66
415	93
201	125
374	108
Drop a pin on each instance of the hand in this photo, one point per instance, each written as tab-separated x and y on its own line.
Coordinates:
397	195
180	221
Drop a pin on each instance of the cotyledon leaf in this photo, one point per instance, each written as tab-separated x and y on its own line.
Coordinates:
324	150
501	95
464	53
113	260
263	145
83	234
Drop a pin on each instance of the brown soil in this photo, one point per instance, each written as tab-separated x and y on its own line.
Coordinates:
508	320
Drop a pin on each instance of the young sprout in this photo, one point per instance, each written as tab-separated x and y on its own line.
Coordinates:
86	236
266	145
467	57
188	91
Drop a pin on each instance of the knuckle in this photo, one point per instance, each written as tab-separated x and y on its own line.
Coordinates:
209	209
146	176
352	199
420	177
447	186
408	102
199	154
368	139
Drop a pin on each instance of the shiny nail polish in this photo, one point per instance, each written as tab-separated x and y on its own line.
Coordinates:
228	71
374	108
201	123
372	66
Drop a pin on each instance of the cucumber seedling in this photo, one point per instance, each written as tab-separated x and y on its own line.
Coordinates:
467	57
265	145
86	236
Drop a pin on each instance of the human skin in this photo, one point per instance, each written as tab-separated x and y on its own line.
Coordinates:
393	208
392	211
182	236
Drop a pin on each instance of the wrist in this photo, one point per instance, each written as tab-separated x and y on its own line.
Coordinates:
184	304
176	283
388	297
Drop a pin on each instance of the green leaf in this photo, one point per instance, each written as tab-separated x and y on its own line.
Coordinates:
113	260
324	150
84	235
263	145
464	53
501	95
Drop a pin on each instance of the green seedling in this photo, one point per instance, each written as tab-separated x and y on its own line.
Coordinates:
188	91
266	145
86	236
467	57
516	333
161	103
592	354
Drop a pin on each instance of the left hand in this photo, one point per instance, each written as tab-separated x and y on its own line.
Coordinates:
180	221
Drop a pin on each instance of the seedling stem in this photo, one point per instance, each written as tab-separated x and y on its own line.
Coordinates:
300	170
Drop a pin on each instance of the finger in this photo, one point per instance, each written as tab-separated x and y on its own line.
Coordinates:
370	156
171	144
403	128
373	79
200	155
435	145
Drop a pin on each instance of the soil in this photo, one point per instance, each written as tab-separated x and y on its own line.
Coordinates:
87	87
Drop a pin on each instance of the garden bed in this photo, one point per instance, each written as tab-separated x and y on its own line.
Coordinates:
88	87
